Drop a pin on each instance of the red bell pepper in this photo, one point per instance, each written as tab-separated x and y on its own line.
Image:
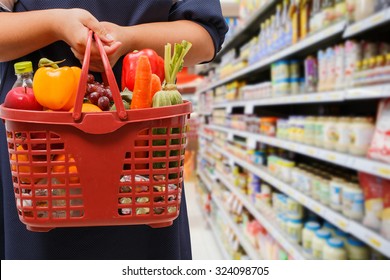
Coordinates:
130	65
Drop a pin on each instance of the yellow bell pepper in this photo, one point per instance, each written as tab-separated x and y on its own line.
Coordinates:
56	87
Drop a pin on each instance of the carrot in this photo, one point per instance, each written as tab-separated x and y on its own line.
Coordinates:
142	84
155	87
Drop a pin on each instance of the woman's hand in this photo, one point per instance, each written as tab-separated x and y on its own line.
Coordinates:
75	32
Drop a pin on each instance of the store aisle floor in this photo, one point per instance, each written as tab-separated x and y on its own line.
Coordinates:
203	243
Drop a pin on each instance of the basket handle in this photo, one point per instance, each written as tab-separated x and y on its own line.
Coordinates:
109	75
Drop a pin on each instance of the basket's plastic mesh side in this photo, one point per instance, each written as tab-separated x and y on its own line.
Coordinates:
45	179
151	181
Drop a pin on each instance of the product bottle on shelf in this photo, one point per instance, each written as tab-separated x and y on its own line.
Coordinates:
24	74
278	28
315	12
304	15
294	15
328	10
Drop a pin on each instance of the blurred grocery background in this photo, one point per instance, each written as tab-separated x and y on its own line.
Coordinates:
289	143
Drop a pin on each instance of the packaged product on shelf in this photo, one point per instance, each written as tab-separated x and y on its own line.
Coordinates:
339	68
308	234
311	74
319	131
385	225
342	235
350	6
334	249
328	10
325	189
330	135
319	242
353	54
380	145
284	169
294	209
364	8
305	7
336	187
342	134
361	132
330	227
314	16
294	15
373	187
331	69
353	201
282	128
288	25
340	10
268	126
294	230
357	250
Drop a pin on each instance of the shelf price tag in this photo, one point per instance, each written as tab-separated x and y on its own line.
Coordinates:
342	224
331	157
374	242
377	18
384	171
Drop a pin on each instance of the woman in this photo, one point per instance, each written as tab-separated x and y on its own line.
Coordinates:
57	29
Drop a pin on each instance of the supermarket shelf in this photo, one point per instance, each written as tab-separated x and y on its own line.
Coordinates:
205	136
369	23
334	96
378	91
218	240
291	248
252	252
368	236
206	180
244	33
334	30
348	161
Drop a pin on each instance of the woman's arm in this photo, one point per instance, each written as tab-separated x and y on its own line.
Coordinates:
23	33
156	35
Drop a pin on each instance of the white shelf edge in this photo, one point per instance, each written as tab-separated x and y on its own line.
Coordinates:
292	249
378	91
353	162
367	23
368	236
252	252
301	45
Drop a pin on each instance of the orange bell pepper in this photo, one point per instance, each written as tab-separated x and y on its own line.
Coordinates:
55	87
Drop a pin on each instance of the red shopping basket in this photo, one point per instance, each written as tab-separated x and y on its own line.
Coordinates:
95	169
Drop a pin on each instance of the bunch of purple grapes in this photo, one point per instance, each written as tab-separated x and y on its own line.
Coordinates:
98	94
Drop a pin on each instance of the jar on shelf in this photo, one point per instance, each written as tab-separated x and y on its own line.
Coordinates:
319	131
342	134
342	235
336	187
319	242
360	134
353	201
308	234
357	250
363	9
334	249
325	190
330	134
309	130
330	227
295	209
294	230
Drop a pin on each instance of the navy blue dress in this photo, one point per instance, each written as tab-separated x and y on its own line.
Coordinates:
116	242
